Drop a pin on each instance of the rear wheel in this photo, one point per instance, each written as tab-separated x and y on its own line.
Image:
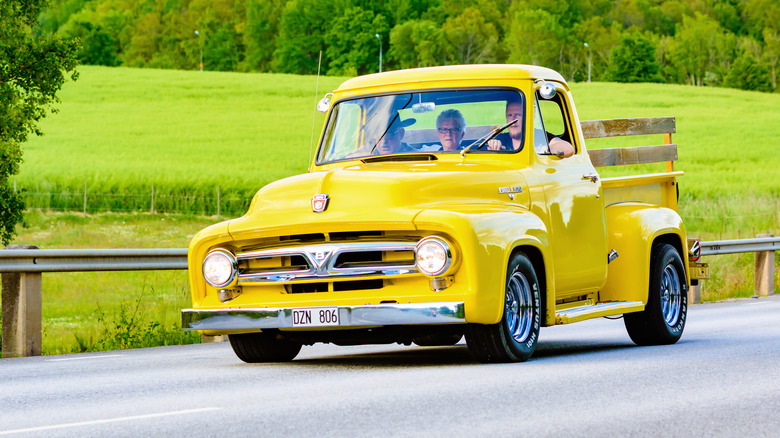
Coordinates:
514	338
663	320
263	347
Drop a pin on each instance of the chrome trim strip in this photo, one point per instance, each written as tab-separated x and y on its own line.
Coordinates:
321	259
350	316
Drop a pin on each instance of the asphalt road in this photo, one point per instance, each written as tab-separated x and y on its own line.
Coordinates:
586	379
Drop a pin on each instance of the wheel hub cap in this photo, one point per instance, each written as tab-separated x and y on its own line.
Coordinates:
671	295
518	306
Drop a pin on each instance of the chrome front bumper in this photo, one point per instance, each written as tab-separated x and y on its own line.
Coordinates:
349	316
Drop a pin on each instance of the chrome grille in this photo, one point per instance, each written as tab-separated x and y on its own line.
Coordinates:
329	261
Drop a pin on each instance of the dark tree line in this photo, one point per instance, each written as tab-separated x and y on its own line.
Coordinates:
699	42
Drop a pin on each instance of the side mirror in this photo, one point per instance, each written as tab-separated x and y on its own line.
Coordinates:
324	104
546	90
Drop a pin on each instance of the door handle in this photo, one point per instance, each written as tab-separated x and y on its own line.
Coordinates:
593	177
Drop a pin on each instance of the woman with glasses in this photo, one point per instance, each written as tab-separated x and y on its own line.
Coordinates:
450	127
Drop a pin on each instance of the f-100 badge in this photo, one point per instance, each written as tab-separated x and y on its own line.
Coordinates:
319	203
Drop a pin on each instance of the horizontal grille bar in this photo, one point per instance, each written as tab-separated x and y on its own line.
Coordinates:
322	262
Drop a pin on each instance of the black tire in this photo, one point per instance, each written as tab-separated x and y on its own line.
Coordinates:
663	320
514	338
263	347
437	339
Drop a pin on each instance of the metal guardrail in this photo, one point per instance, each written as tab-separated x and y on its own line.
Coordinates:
21	297
157	259
87	260
739	246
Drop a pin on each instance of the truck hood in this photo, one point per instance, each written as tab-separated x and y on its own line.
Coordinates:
387	193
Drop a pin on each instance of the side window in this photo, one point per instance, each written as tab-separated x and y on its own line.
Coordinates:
553	113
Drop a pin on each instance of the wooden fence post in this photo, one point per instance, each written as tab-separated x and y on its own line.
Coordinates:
765	271
21	312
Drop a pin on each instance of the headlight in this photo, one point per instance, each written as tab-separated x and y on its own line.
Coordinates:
433	256
219	268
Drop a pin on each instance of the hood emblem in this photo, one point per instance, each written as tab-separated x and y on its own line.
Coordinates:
319	202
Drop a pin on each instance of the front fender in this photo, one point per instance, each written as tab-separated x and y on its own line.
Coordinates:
486	239
200	244
632	227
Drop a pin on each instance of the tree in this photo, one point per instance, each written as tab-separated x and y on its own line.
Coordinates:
748	74
535	37
771	53
472	39
33	67
600	39
262	26
302	31
417	43
97	45
701	48
633	60
354	48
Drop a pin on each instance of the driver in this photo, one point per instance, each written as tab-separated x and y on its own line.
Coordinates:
391	142
514	139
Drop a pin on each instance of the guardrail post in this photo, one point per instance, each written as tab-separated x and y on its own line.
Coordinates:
21	312
694	294
209	339
765	271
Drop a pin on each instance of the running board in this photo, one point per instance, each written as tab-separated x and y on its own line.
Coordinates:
577	314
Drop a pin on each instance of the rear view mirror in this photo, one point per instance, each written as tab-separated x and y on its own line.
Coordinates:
423	107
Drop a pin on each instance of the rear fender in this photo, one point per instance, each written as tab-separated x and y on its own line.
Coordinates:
632	229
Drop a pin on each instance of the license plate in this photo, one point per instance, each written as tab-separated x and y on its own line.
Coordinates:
315	317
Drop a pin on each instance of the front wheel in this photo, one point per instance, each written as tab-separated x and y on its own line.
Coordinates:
514	338
663	320
263	347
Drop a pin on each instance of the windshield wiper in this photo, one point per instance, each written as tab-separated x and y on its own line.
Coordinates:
487	137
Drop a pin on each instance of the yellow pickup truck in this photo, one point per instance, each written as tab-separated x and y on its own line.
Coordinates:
445	202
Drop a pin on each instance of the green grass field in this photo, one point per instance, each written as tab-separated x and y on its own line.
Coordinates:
121	130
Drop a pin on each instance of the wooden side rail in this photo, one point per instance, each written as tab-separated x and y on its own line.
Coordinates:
620	127
633	155
666	152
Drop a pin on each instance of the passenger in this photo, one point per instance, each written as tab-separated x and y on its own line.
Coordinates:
450	127
512	138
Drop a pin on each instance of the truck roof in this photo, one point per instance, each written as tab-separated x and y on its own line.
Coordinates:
451	72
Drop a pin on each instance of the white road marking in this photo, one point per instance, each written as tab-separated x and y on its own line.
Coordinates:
84	358
108	420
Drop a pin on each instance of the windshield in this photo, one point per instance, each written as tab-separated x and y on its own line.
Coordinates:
432	122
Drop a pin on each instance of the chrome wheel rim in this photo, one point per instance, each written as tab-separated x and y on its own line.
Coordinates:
671	295
518	307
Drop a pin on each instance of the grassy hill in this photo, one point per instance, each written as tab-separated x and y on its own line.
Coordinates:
120	130
186	137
